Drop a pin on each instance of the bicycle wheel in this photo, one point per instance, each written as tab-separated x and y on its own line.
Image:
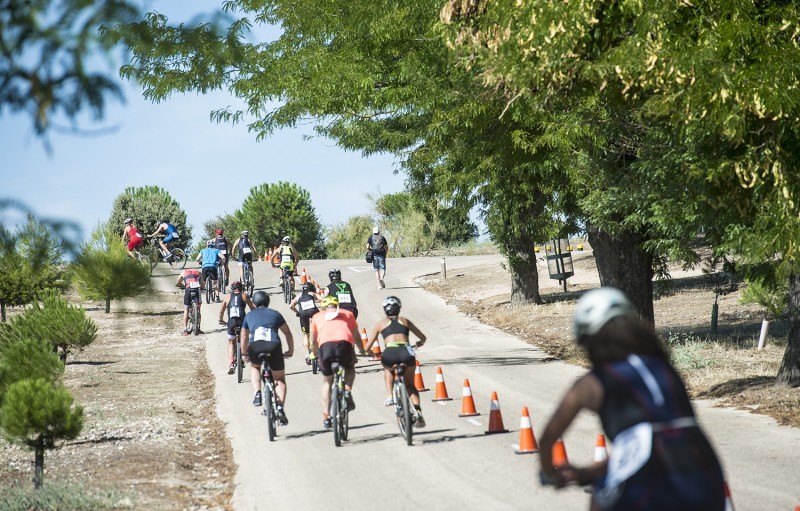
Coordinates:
344	422
178	261
314	365
221	280
239	361
335	414
208	290
153	258
269	411
285	290
195	315
402	410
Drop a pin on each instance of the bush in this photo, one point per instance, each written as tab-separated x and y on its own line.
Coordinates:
55	497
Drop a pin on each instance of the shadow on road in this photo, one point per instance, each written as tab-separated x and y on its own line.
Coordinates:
493	361
91	362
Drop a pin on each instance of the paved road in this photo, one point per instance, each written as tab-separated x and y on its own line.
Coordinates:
452	464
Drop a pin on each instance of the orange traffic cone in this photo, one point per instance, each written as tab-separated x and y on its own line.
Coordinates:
441	390
303	277
418	383
495	417
729	502
363	339
376	350
600	453
266	254
467	403
559	454
527	442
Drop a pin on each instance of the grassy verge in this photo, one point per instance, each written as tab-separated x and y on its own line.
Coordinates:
60	497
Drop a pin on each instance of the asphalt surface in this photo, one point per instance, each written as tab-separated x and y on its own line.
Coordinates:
452	464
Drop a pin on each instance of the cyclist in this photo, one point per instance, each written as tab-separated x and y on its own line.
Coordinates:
171	234
333	333
135	238
379	246
192	281
394	328
235	304
245	249
208	258
286	257
345	299
260	335
307	302
223	244
660	454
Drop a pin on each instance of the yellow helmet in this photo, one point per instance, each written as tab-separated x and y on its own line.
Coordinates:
329	300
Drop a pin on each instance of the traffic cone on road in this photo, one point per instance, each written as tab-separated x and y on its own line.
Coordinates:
729	501
266	254
376	350
495	417
527	442
363	339
418	383
559	454
600	453
467	403
441	389
303	277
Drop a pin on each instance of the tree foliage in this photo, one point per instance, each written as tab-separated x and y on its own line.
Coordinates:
272	211
148	205
348	239
25	358
103	270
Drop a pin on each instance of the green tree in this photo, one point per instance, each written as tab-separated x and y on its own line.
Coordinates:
48	58
55	320
25	358
148	205
347	240
272	211
38	414
104	271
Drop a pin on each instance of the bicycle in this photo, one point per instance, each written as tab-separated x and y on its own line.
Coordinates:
175	257
238	354
211	290
402	404
222	279
339	413
269	399
194	313
143	259
288	286
249	282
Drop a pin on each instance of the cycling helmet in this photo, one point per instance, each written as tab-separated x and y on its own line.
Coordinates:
128	221
335	275
286	240
209	243
260	299
236	285
245	233
329	301
598	307
219	232
391	306
308	287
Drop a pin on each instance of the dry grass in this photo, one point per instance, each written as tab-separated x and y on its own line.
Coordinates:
725	366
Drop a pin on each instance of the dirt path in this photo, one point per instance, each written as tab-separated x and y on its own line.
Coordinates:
151	435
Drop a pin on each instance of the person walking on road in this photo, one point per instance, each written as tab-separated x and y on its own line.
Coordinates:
379	247
661	458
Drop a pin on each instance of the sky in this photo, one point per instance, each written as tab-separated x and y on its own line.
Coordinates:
208	168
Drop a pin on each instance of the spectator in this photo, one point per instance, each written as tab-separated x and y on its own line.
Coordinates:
377	243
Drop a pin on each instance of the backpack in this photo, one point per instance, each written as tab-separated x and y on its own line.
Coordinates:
378	243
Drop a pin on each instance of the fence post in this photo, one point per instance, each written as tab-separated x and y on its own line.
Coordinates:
444	269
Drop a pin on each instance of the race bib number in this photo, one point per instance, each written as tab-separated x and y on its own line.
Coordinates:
194	284
308	305
286	259
246	250
262	334
223	252
632	449
344	298
234	313
138	235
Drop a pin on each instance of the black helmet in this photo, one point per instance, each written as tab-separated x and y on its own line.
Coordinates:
391	306
335	275
308	287
260	299
236	285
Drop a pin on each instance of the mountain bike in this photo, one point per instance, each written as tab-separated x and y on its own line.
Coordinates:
238	353
222	279
143	259
194	313
402	405
249	282
338	413
269	399
288	286
211	290
175	257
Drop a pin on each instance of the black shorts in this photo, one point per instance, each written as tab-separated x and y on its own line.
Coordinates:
398	355
233	323
273	348
305	323
336	351
210	270
246	257
191	295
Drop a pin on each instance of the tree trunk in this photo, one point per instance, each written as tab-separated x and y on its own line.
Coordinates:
789	371
108	305
3	311
38	470
524	274
623	264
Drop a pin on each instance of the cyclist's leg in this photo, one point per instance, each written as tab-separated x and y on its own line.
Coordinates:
187	302
347	358
232	339
253	349
277	365
241	273
413	393
327	354
199	305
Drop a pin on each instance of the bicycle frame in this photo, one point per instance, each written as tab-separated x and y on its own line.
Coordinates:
338	410
402	404
269	399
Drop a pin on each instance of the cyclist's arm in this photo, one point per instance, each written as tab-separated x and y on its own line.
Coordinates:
289	340
199	257
160	228
235	247
248	301
373	336
293	304
180	282
244	340
416	331
224	306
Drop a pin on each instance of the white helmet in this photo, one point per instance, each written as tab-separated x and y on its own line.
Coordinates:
286	239
598	307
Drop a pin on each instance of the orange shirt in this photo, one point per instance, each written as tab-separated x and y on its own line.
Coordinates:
338	329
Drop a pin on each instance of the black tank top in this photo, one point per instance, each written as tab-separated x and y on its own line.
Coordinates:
344	293
394	327
236	307
307	305
221	243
